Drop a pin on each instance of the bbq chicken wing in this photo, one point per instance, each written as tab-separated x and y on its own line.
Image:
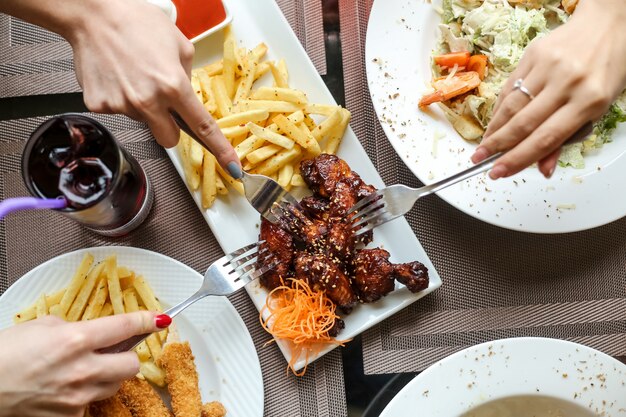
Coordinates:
323	172
323	275
373	274
279	246
316	207
413	274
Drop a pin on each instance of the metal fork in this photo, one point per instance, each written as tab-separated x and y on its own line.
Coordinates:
225	276
396	200
263	193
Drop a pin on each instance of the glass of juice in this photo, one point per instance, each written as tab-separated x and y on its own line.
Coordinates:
72	156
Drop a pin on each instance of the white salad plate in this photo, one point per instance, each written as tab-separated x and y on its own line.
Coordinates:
225	355
398	75
235	223
583	380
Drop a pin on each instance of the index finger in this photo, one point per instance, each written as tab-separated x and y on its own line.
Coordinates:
205	128
107	331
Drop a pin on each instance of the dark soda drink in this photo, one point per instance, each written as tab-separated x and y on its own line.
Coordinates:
74	157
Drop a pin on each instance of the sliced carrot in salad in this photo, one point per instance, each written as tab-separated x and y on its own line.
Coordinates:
451	86
460	59
478	63
301	316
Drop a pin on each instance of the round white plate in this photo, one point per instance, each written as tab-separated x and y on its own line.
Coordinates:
226	359
401	35
491	371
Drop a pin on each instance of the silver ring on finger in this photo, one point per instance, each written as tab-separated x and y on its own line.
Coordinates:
518	85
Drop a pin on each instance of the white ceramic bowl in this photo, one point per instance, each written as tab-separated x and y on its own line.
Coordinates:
566	371
216	28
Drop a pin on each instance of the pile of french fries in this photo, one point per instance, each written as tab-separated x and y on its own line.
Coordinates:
272	128
100	290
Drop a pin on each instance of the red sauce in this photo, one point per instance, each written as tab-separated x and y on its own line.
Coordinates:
194	17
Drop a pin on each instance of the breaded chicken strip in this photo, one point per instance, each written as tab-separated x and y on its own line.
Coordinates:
110	407
181	378
141	399
213	409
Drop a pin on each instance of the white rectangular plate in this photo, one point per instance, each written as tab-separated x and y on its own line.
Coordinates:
235	223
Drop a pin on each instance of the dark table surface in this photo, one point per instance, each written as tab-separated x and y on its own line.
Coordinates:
367	395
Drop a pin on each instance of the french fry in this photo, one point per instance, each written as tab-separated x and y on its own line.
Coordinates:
272	106
54	298
154	344
207	90
309	122
292	131
123	272
262	69
113	282
27	314
76	310
214	69
192	175
284	175
152	373
196	152
260	50
220	186
237	140
323	109
146	294
41	307
273	164
30	313
209	187
107	310
251	65
248	145
98	300
263	153
270	136
55	310
280	93
77	281
335	136
279	77
195	84
234	132
322	130
230	62
222	98
130	300
142	351
282	67
242	118
297	180
237	185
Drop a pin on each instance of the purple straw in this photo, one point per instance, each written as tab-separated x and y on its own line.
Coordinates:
30	203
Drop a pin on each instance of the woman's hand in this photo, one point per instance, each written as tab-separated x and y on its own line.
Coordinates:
131	59
51	368
575	73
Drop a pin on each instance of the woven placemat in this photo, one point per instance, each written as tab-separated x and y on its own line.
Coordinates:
496	283
175	228
35	61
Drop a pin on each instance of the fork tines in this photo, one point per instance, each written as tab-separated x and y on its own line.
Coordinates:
365	213
289	216
243	262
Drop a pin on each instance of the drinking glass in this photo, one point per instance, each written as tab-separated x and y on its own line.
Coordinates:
73	157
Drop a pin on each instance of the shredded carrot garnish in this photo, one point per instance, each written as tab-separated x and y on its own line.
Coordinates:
302	317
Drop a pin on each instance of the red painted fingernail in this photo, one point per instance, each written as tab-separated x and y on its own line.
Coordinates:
162	321
551	172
